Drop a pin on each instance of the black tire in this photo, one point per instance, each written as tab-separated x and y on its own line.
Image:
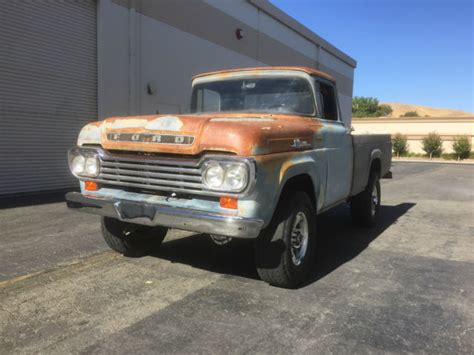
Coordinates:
273	250
364	207
131	239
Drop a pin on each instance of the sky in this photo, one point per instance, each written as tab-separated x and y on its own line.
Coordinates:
409	51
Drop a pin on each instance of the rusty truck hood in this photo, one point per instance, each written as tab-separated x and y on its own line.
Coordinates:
241	134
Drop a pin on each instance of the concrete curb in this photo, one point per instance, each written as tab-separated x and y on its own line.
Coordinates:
433	161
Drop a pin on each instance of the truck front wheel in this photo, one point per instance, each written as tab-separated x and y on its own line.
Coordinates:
131	239
285	250
365	205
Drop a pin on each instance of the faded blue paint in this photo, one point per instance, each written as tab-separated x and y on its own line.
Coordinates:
337	165
339	157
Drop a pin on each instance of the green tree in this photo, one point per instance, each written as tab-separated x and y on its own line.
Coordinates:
410	114
462	147
399	144
432	144
369	107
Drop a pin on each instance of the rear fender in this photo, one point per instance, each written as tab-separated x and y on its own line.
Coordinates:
376	154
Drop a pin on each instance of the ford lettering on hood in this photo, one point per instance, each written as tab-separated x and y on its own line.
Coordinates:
150	138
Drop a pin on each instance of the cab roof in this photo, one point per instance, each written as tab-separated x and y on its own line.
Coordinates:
307	70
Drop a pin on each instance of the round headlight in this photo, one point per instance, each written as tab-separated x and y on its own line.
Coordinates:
92	166
236	176
213	174
77	165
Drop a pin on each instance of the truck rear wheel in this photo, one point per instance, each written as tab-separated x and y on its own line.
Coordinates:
365	205
131	239
285	250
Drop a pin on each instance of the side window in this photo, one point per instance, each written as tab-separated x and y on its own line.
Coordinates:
328	102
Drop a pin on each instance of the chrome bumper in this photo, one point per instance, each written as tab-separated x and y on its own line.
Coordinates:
172	217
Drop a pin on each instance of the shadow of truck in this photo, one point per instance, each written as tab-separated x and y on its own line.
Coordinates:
338	242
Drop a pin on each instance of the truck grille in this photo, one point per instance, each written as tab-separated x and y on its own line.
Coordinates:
152	174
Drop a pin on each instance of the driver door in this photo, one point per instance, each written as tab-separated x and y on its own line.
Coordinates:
337	144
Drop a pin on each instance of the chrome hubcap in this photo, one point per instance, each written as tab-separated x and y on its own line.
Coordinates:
374	200
299	238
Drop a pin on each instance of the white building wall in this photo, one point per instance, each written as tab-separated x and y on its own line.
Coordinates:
167	47
289	37
330	61
241	10
144	45
416	128
113	48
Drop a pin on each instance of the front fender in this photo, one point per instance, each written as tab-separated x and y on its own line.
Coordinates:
304	166
274	172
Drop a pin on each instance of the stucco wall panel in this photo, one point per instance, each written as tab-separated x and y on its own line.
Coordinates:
114	57
417	128
345	103
168	43
290	38
330	61
240	9
193	55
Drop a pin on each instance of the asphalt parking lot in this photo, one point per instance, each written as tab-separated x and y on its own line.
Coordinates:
405	286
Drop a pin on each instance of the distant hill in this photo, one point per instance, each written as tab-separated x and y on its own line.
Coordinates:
400	109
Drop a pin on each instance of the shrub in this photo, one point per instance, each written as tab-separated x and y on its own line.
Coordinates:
410	114
449	156
384	110
399	144
432	144
415	155
369	107
462	147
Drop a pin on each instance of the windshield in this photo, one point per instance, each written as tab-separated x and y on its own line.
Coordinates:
273	95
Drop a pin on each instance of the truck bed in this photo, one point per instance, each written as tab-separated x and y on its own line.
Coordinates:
366	148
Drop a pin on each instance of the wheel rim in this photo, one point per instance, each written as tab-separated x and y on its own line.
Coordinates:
135	232
299	238
374	200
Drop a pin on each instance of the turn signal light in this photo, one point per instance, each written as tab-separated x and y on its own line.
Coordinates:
228	202
91	185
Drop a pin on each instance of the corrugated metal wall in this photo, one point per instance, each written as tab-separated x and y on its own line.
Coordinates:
48	89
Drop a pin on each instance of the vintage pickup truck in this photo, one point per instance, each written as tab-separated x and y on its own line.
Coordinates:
262	153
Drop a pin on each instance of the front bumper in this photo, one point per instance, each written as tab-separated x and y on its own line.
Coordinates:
172	217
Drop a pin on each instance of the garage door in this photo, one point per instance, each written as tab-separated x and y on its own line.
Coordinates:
48	89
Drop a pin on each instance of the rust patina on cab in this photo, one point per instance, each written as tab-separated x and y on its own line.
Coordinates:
263	152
